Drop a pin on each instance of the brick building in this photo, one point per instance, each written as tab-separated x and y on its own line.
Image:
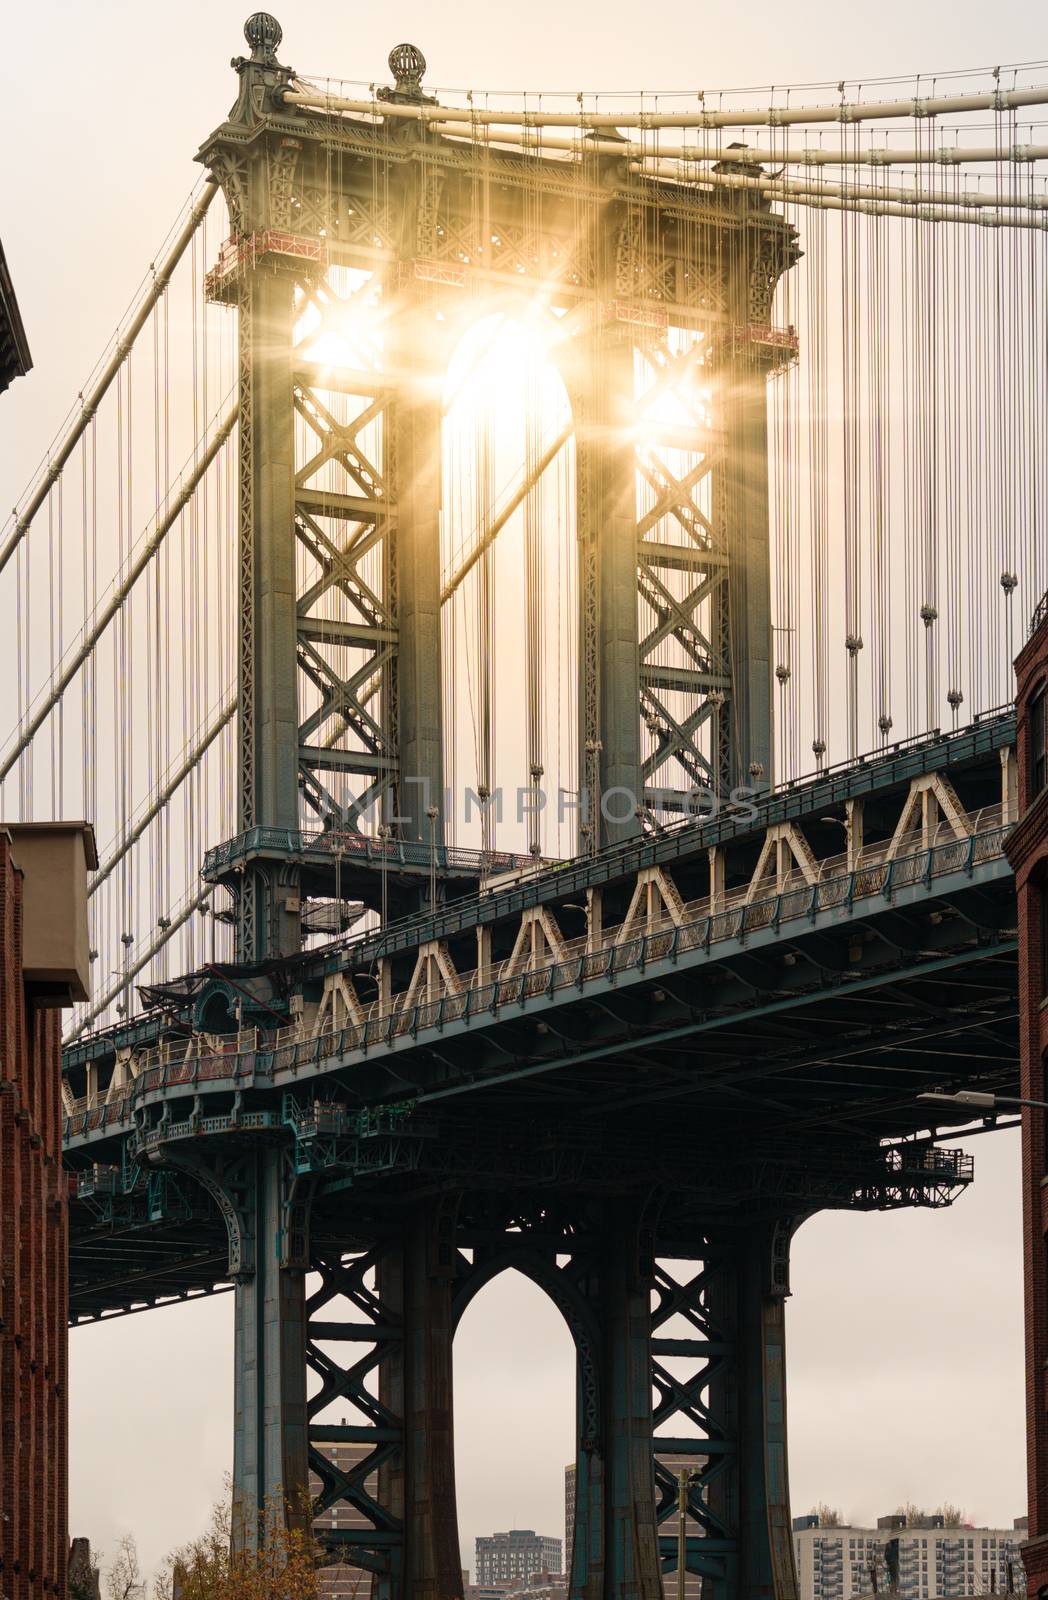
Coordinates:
43	966
1028	853
343	1580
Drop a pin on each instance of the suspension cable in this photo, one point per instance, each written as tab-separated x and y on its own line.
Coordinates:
145	555
170	788
157	284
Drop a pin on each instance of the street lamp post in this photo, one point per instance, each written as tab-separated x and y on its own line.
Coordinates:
684	1478
980	1100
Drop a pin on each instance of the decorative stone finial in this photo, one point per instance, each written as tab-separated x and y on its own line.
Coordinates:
263	33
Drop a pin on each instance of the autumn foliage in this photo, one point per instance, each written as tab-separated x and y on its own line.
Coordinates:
283	1568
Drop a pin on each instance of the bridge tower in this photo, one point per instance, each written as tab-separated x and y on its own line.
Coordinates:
340	535
340	673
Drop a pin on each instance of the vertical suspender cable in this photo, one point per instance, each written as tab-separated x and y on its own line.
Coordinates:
113	366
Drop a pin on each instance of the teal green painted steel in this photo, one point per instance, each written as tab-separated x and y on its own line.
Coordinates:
269	1362
606	457
806	798
275	731
416	465
644	962
934	753
747	739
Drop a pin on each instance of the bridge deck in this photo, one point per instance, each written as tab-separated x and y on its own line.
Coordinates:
755	1044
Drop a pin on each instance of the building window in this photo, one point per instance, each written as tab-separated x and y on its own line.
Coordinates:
1037	722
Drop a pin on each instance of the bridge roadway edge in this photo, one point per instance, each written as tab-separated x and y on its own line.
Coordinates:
603	1105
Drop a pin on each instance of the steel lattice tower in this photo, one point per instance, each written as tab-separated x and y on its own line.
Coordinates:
620	262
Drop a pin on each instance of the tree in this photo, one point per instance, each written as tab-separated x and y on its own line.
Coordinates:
952	1516
828	1516
912	1512
284	1568
124	1579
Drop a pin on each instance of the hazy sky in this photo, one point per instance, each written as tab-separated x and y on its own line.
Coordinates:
905	1330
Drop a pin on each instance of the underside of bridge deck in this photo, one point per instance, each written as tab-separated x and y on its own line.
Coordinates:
637	1113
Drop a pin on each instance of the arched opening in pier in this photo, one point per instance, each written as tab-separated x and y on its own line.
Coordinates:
509	587
514	1414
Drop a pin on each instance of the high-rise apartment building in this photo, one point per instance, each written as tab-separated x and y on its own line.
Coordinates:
922	1561
509	1559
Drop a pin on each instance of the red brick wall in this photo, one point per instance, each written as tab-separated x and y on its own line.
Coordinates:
33	1276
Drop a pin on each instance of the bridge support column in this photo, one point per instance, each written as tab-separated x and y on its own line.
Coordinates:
615	1546
747	755
268	917
609	686
414	465
417	1487
748	1280
270	1449
766	1566
721	1411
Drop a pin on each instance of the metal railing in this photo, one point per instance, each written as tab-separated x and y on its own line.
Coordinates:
799	797
703	925
1040	614
350	847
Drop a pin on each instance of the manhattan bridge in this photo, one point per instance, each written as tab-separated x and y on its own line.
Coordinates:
528	600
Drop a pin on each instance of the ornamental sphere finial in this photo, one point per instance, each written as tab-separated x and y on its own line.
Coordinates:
407	64
263	33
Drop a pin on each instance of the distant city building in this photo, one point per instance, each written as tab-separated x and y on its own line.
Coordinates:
343	1581
511	1559
921	1561
541	1586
